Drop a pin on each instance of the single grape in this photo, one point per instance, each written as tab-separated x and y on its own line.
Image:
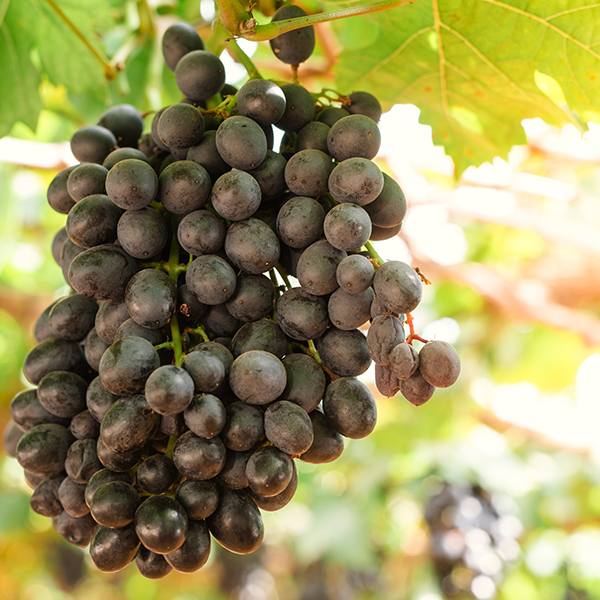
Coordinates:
439	363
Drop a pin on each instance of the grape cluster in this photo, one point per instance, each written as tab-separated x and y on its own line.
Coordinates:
473	537
177	382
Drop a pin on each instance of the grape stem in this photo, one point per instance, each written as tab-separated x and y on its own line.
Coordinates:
170	446
235	50
312	351
284	275
251	30
110	68
173	268
198	331
374	254
413	335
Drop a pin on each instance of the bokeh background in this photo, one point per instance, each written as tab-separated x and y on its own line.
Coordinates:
491	489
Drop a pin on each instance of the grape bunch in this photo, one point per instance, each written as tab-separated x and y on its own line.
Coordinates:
184	374
474	537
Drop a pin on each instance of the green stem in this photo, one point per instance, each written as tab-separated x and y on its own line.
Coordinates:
232	14
214	101
243	59
199	331
173	269
284	275
258	33
170	446
374	254
164	345
110	69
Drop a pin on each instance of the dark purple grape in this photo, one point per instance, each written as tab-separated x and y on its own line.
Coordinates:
279	500
385	333
356	180
126	123
198	458
241	142
128	424
132	184
109	318
355	273
169	390
265	335
236	195
439	363
151	298
257	377
313	136
389	208
201	232
403	360
142	233
98	399
178	40
71	318
117	461
307	173
194	552
299	108
52	355
86	180
252	246
27	412
233	473
244	427
183	187
199	498
385	380
161	524
58	241
354	136
300	222
269	471
350	407
100	478
157	474
415	389
398	286
102	272
76	530
293	47
305	381
205	153
206	370
123	153
114	504
58	195
288	427
237	524
317	268
344	352
113	549
82	461
94	348
92	144
211	279
45	500
218	350
302	316
62	393
151	565
199	75
127	364
331	115
347	227
205	415
84	426
327	445
72	497
261	100
350	311
12	435
253	298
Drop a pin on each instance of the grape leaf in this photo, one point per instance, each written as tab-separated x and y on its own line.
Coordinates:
35	38
470	66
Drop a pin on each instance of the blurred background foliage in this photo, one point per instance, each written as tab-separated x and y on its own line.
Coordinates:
490	490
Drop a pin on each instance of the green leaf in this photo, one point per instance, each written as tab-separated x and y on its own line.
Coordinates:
20	80
470	66
34	28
